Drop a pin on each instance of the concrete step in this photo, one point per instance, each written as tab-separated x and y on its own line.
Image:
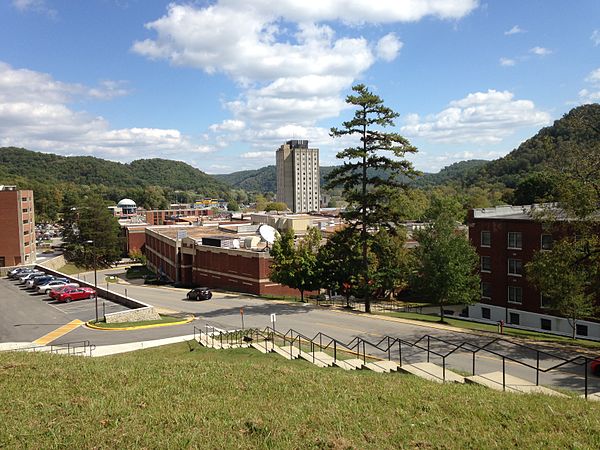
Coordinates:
432	372
320	359
285	352
493	380
382	366
260	347
595	397
349	364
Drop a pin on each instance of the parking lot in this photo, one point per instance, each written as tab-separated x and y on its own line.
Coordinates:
27	315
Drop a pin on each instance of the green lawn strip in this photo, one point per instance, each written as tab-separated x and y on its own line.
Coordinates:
163	319
72	269
493	328
172	397
137	272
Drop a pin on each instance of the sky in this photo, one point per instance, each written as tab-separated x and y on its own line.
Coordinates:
222	84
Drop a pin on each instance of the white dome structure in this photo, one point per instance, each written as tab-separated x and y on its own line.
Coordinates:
127	202
128	206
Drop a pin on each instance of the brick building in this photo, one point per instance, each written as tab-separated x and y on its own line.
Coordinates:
215	257
506	239
17	227
163	216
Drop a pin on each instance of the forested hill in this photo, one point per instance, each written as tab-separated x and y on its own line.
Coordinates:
87	170
260	180
579	126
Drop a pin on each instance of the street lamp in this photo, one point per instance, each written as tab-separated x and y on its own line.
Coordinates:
95	277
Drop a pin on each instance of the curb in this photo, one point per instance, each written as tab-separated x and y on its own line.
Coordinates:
141	327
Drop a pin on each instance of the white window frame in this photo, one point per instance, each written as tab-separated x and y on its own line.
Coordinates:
481	264
542	242
515	233
514	274
542	306
508	295
481	289
481	239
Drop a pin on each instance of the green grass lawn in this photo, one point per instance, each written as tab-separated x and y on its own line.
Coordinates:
137	272
72	269
493	328
219	399
163	320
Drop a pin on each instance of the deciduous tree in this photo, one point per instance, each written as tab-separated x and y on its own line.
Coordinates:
296	266
445	264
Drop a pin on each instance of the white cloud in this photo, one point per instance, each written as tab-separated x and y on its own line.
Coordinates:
591	95
480	117
388	47
514	30
540	51
228	125
507	62
35	113
258	155
109	89
595	37
290	64
594	76
38	6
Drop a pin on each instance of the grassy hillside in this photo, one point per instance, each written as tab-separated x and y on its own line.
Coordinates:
174	398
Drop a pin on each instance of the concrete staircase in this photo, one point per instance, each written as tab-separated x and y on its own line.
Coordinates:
432	372
493	380
382	366
426	370
595	397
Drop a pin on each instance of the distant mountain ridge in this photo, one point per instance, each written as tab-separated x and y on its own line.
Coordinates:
88	170
577	126
531	156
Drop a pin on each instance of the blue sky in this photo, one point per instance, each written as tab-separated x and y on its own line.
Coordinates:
221	84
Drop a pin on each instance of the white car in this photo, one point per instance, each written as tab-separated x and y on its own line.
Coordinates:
46	288
27	276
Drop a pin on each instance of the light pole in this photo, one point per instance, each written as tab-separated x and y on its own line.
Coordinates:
95	277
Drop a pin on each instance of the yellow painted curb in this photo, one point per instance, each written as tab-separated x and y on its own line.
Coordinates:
141	327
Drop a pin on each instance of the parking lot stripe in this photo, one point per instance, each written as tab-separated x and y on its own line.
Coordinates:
61	331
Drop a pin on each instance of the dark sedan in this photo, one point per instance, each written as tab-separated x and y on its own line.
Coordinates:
199	293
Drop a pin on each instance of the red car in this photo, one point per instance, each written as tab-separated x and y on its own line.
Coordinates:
75	294
595	366
54	293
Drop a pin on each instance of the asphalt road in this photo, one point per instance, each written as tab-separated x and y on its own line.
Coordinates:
223	311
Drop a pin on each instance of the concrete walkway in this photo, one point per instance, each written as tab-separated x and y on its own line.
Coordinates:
106	350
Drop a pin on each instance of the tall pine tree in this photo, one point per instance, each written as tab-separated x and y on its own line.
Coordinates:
368	178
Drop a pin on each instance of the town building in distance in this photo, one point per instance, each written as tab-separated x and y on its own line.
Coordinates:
17	227
298	176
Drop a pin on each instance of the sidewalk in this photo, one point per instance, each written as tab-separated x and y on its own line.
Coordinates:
106	350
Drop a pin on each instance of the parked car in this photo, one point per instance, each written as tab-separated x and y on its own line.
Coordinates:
54	293
595	366
34	281
23	279
19	271
199	293
55	284
75	294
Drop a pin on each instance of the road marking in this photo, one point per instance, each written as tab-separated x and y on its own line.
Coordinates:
61	331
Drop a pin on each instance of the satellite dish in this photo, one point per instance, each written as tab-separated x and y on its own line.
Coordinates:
268	233
235	243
